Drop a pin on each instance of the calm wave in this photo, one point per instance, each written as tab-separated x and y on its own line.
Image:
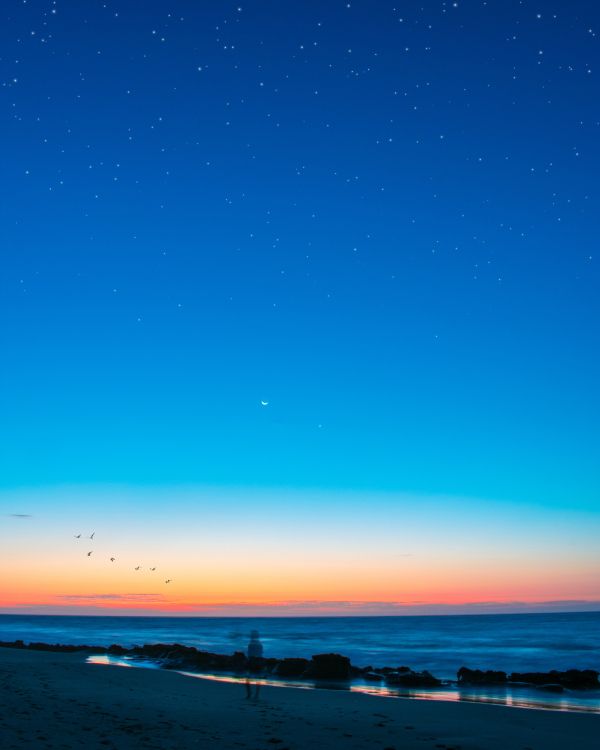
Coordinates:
441	644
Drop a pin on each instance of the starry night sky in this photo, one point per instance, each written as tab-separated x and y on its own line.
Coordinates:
379	217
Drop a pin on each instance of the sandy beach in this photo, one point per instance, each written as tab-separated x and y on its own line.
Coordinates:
51	700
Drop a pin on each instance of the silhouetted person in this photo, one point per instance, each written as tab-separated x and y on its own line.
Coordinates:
254	653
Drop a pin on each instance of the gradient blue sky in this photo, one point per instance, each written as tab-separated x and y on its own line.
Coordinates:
380	217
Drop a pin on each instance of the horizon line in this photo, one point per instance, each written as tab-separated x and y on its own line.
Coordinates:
183	616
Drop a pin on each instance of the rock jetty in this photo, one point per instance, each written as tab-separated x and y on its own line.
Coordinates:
321	667
555	681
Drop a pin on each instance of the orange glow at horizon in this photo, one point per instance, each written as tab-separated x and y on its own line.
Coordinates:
291	555
446	583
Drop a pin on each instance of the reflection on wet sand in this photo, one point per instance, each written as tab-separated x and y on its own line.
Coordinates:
513	696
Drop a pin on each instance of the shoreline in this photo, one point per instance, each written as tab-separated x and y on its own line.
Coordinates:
513	696
439	644
335	672
56	700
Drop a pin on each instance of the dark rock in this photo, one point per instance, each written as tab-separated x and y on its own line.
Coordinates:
204	661
322	666
574	679
239	659
468	676
372	676
329	667
408	678
177	656
161	650
53	647
551	688
256	664
291	667
164	651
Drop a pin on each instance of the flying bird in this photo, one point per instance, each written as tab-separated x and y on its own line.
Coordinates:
91	537
264	403
89	553
138	567
77	536
168	580
112	559
152	568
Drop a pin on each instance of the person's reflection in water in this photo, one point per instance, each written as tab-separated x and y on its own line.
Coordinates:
254	653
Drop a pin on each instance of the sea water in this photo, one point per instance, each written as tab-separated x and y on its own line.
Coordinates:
441	644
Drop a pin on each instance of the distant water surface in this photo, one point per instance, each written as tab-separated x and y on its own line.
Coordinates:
441	644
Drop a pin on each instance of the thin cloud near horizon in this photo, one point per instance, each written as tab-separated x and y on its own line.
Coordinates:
93	603
111	597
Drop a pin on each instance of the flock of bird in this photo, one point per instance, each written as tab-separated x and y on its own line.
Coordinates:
113	559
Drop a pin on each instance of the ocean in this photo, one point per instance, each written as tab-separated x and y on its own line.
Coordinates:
441	644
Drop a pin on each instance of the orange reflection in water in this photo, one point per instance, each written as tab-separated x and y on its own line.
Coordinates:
514	697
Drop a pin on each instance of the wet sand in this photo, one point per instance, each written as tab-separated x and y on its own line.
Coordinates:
52	700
